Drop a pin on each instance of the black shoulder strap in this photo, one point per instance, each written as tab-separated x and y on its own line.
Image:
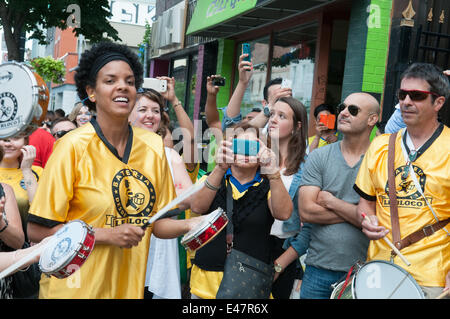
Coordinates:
230	228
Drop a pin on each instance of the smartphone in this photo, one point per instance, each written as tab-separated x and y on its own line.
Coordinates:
329	120
245	147
286	83
218	81
247	50
155	84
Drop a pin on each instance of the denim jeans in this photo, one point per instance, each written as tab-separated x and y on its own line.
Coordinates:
317	282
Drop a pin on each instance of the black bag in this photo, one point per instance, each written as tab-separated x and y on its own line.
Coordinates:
244	277
25	284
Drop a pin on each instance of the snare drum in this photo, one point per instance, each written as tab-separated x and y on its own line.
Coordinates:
67	251
378	279
24	99
210	226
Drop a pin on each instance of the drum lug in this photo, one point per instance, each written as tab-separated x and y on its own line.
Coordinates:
81	255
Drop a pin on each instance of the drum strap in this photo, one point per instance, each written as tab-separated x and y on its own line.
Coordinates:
230	227
393	193
417	235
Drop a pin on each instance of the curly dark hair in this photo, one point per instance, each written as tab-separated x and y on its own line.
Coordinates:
82	75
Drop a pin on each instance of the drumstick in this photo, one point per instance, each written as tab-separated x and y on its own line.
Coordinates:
442	295
390	244
192	190
21	262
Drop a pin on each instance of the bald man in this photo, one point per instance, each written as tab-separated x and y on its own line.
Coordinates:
328	202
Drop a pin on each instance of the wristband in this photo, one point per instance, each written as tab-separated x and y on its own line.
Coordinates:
274	176
6	225
176	104
211	187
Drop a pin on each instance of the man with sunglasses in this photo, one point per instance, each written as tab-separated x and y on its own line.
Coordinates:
422	170
61	127
328	202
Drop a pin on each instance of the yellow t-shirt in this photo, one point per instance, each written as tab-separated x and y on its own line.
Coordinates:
429	257
14	178
205	283
84	180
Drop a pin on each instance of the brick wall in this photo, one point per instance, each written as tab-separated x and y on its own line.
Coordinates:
356	47
367	47
377	46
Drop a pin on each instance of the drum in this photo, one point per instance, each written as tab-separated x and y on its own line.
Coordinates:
24	99
210	226
378	279
67	251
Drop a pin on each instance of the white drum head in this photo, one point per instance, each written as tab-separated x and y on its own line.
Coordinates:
17	98
63	247
383	280
207	221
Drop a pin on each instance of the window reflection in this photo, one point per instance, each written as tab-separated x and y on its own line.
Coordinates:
293	58
254	93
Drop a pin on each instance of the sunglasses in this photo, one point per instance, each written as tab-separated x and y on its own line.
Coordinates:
414	95
60	134
352	109
47	123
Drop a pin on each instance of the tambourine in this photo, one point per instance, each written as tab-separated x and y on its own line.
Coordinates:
68	250
211	225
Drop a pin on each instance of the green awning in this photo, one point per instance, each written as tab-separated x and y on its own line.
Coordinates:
211	12
225	18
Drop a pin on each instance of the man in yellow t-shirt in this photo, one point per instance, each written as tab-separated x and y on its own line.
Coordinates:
426	146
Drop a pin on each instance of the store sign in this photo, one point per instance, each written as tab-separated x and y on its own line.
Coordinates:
211	12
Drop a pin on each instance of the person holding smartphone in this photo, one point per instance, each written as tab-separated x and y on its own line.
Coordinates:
324	134
259	196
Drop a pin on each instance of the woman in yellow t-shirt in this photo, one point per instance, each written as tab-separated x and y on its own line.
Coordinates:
110	175
16	169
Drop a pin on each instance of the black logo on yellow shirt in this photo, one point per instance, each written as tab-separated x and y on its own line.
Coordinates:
407	194
134	198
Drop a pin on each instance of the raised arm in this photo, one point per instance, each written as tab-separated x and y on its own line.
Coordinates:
201	201
185	123
211	112
29	154
245	73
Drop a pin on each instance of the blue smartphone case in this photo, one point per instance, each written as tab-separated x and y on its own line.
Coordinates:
246	50
245	147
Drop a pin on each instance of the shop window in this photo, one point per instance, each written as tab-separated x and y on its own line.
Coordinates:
293	58
254	93
184	71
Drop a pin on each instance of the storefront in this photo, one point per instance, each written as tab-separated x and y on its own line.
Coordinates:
304	42
327	48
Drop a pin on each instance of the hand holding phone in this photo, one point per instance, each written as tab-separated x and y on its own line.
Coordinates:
329	120
286	84
155	84
245	147
247	50
218	81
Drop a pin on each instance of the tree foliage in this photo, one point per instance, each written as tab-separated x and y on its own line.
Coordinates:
19	16
49	69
